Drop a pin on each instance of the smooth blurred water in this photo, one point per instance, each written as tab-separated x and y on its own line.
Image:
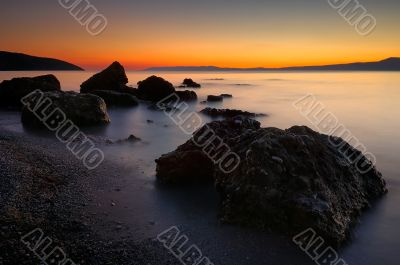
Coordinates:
367	103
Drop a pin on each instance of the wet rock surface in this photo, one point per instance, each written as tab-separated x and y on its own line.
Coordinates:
12	91
287	180
111	78
81	109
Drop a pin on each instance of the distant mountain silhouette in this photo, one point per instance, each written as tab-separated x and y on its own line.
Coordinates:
10	61
389	64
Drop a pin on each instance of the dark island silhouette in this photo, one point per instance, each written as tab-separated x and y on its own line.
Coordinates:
389	64
10	61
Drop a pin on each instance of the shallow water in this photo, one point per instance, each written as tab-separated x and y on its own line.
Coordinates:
366	103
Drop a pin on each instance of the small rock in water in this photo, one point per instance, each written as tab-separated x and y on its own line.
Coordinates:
188	82
212	98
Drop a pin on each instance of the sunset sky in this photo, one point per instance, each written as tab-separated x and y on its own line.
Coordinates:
226	33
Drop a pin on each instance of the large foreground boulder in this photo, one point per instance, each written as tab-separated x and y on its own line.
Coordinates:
117	99
12	91
111	78
288	180
81	109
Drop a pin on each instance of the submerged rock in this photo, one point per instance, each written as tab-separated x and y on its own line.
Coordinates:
111	78
114	98
212	98
81	109
228	113
131	139
12	91
188	82
287	180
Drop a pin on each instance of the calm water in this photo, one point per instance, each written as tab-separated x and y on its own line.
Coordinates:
367	103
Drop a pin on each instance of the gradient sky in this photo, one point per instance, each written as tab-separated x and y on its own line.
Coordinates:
226	33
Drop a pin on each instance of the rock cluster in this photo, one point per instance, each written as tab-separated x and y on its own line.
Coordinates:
287	180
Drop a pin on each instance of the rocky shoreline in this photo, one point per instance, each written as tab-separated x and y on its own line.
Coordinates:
284	180
39	191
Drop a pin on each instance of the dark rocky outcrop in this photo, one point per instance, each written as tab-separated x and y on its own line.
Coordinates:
212	98
189	164
188	82
185	167
12	91
117	99
111	78
187	95
154	89
229	113
81	109
287	180
226	95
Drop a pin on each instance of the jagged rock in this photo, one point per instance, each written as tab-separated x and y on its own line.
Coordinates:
287	180
187	95
228	113
188	82
81	109
111	78
114	98
12	91
212	98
